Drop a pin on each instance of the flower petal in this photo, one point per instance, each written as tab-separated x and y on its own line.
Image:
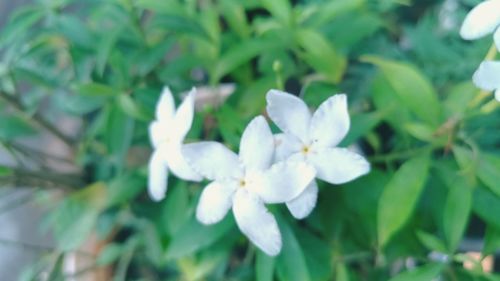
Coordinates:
487	76
177	163
496	38
481	20
158	132
256	222
302	205
339	165
284	181
183	118
158	176
165	107
257	145
289	113
330	123
285	145
216	199
212	160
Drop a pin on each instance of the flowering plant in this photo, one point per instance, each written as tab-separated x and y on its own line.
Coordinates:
366	137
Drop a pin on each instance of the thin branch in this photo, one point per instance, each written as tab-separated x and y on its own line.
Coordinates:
37	119
23	177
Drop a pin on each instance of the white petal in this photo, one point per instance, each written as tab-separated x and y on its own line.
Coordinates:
330	123
481	20
339	165
487	76
289	113
284	181
496	38
285	145
302	205
497	94
158	176
216	199
158	132
183	118
177	163
212	160
255	221
257	145
165	107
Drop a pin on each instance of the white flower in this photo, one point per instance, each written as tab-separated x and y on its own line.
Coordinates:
167	134
246	182
487	77
484	19
312	138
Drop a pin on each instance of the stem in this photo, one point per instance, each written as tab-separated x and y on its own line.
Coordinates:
402	154
22	177
37	119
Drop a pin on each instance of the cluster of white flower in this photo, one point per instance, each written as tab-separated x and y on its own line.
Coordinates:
484	19
269	169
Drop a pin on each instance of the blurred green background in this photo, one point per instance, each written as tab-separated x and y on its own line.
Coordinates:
79	80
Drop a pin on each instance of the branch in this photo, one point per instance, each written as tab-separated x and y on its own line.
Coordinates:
37	119
22	177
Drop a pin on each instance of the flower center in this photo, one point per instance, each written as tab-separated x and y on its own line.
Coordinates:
305	149
242	183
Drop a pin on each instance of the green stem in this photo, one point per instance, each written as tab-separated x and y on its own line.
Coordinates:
402	154
36	120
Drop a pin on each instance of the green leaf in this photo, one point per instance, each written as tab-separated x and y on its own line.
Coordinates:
341	272
264	267
411	88
5	171
235	17
181	24
133	109
489	171
458	96
327	11
166	6
383	93
240	54
105	47
150	57
291	264
12	127
456	212
79	104
74	218
491	240
109	254
96	89
468	162
420	131
321	55
400	196
20	22
176	208
487	206
118	136
124	188
423	273
194	236
280	9
431	242
361	125
317	252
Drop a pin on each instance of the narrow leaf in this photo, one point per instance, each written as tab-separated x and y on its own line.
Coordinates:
400	196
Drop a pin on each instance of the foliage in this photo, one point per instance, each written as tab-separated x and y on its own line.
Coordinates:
431	137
